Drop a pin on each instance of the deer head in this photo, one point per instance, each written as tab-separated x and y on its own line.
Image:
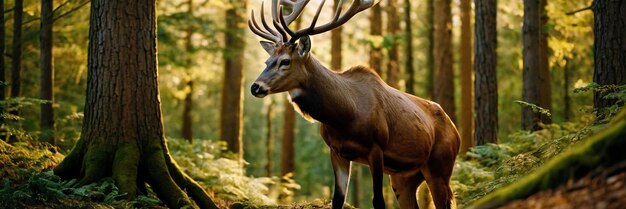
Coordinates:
289	50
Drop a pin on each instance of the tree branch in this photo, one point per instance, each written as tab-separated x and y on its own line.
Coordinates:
70	11
579	10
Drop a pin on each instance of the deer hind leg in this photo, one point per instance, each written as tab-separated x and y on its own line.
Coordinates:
405	188
438	178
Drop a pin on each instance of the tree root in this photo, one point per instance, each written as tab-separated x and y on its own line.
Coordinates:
132	166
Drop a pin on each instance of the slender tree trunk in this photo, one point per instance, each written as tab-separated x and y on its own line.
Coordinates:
122	135
2	67
232	99
609	49
444	76
287	164
335	44
467	70
408	53
485	85
47	73
545	96
187	125
376	29
430	58
393	29
16	56
567	109
536	72
270	139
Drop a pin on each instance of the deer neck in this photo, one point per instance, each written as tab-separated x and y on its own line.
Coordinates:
324	96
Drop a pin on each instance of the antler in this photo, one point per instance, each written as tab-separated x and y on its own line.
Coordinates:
281	22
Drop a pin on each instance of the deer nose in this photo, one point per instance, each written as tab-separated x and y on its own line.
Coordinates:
258	90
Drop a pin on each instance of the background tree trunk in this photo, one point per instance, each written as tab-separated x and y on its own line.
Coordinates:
335	44
485	84
393	30
467	70
122	135
232	99
270	139
609	49
2	67
376	29
187	125
567	100
430	58
444	76
536	87
408	53
288	148
46	122
16	55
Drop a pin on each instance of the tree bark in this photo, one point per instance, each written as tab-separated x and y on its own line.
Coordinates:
16	55
232	94
187	125
430	58
536	72
287	156
46	122
609	49
408	53
376	30
335	44
467	70
485	84
2	67
393	30
122	135
444	76
270	139
567	101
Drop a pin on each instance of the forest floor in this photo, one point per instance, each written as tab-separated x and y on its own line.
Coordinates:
605	189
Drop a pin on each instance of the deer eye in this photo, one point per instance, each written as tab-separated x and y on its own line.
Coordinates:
285	62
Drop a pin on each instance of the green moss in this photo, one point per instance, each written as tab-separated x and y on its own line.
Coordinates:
602	149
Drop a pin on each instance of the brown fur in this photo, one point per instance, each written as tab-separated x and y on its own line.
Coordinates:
366	121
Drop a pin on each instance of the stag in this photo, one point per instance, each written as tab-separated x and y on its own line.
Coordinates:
363	119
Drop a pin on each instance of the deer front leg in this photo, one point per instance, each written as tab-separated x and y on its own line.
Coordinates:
376	168
341	167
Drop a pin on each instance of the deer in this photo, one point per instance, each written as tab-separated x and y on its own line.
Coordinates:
363	119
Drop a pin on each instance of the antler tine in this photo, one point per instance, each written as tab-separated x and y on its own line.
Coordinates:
258	31
284	23
356	7
280	30
297	8
267	27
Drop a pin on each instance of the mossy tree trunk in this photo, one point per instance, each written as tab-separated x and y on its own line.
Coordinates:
16	54
485	83
122	135
408	49
2	66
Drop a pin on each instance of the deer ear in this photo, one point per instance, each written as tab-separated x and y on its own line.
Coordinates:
268	46
304	45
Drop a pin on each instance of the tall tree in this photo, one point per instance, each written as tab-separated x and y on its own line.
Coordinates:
444	76
376	30
187	124
287	154
467	70
393	30
536	73
485	83
269	137
47	73
408	49
335	44
232	99
609	49
430	58
2	66
122	135
16	55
